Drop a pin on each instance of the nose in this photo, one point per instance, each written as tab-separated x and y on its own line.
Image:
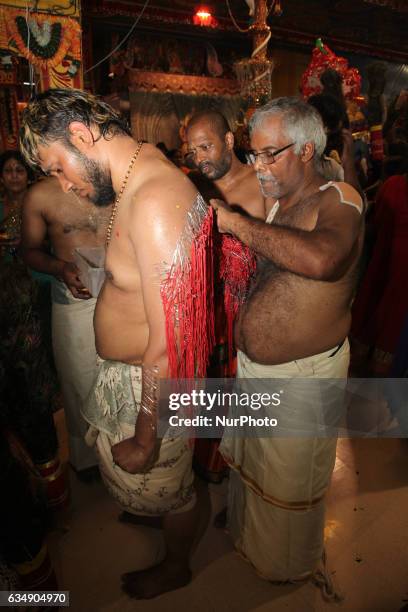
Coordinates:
199	156
66	185
258	164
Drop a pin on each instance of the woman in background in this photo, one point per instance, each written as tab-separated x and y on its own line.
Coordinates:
27	374
15	176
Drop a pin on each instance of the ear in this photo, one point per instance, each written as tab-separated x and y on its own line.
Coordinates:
80	136
229	140
307	152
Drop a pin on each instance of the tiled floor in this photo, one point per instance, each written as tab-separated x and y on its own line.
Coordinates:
366	537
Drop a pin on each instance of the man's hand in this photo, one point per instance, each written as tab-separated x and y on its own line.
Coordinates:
70	277
225	216
134	458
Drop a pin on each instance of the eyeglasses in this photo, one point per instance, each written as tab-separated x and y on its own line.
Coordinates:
266	157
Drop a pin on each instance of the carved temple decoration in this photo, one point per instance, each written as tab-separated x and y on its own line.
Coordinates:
395	5
160	82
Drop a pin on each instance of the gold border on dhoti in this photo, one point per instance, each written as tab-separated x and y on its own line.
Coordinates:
285	505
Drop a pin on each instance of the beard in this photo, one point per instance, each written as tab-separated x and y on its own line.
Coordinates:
269	187
218	169
100	179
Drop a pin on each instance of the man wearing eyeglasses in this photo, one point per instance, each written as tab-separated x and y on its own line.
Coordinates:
293	326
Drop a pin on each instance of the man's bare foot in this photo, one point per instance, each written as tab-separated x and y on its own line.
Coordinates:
157	580
139	519
220	519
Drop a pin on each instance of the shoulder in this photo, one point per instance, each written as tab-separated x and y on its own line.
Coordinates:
342	193
162	186
42	194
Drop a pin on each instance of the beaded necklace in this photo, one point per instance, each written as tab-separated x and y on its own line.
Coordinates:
122	189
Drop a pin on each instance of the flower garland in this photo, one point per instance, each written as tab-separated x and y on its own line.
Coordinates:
45	51
49	42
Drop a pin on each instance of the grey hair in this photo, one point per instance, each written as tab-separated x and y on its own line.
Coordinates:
301	123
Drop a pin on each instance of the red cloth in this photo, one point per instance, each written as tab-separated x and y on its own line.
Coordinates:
322	59
381	304
237	269
188	302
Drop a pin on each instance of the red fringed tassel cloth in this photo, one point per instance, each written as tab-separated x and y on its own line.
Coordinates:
187	293
237	269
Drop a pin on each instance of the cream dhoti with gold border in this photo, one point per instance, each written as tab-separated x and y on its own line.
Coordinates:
73	341
112	410
277	484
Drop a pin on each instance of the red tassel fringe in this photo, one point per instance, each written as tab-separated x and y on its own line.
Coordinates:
188	300
237	268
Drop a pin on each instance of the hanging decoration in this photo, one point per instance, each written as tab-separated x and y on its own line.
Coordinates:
322	59
255	73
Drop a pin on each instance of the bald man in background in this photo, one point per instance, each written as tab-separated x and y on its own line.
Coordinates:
211	147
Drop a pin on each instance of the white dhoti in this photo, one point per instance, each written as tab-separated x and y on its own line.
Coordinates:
276	495
75	357
111	410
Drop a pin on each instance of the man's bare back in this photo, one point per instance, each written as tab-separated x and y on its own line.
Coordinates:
298	316
156	194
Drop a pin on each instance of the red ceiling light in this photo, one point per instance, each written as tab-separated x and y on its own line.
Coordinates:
203	17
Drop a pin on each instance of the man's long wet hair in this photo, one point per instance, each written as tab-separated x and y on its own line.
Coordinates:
47	118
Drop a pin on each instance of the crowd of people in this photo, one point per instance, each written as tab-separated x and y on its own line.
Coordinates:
224	268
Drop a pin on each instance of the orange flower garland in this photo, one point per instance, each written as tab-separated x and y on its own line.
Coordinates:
70	38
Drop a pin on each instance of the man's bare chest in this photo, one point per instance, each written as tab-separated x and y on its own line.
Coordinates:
302	216
67	224
247	198
121	265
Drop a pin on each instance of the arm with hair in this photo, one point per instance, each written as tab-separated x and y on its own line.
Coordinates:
322	254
